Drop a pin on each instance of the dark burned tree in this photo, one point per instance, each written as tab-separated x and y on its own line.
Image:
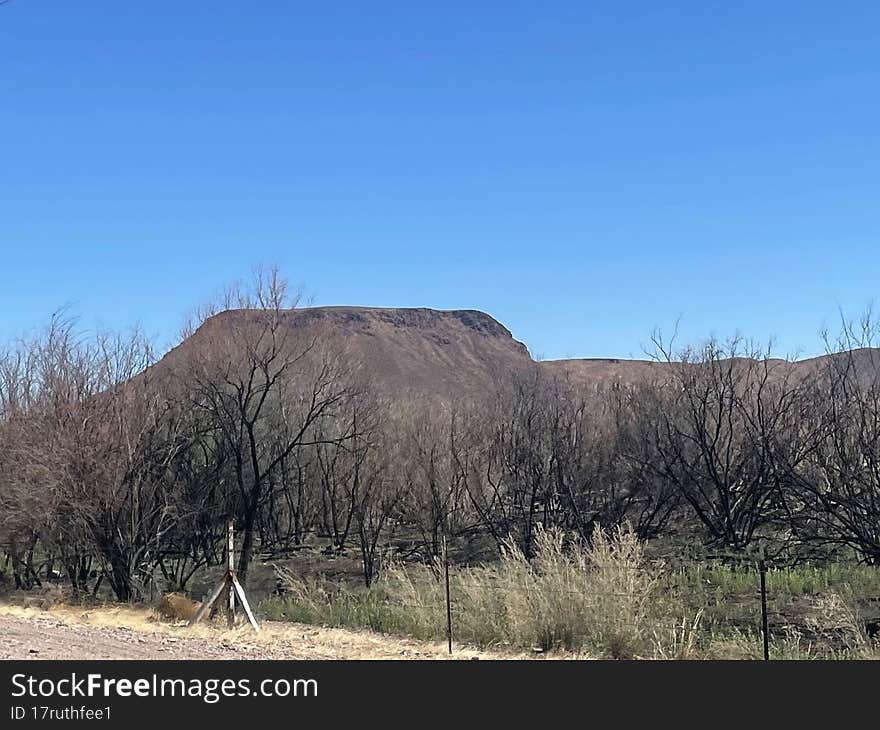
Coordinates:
433	497
725	435
263	390
293	507
504	460
639	494
375	486
597	478
338	471
196	473
838	487
120	490
357	456
556	455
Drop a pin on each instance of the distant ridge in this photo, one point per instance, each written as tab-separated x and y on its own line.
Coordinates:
446	354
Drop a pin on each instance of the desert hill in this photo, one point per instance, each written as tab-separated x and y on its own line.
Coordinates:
419	352
437	353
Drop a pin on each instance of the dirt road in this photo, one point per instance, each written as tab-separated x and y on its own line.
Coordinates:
47	638
125	633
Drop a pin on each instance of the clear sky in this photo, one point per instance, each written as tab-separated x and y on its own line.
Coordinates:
583	171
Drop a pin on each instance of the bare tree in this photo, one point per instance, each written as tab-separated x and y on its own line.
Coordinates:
726	411
434	500
87	466
375	492
839	485
253	373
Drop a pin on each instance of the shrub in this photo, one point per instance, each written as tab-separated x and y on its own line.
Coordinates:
577	596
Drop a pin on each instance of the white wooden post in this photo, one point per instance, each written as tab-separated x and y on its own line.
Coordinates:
230	569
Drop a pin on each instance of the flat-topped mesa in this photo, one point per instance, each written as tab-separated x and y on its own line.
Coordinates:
363	317
416	317
444	354
421	351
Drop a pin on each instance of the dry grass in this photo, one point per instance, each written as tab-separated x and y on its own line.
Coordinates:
275	640
679	641
595	599
177	607
602	599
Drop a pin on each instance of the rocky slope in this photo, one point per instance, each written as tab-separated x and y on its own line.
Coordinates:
431	353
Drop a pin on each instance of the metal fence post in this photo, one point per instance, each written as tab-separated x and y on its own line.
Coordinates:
448	597
762	569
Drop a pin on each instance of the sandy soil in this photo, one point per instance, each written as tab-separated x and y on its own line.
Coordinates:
65	632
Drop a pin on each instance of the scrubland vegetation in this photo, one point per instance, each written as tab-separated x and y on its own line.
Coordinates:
117	477
602	598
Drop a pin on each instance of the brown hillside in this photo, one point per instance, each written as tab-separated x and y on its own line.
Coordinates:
416	352
435	353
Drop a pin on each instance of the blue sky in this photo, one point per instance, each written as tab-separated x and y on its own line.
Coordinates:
583	171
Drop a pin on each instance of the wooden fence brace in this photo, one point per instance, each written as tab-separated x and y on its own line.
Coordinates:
230	569
229	586
244	602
